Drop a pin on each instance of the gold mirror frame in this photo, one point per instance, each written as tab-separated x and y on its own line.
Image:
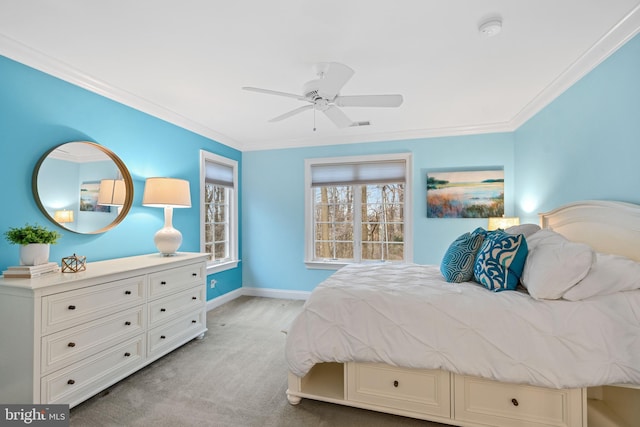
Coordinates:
124	174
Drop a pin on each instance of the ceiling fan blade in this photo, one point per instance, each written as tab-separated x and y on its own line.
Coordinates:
334	77
275	92
339	118
292	113
369	101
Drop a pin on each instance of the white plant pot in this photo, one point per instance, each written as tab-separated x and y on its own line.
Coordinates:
34	254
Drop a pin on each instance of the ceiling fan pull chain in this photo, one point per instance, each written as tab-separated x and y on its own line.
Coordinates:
314	118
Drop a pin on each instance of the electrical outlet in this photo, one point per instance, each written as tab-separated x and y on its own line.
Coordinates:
212	283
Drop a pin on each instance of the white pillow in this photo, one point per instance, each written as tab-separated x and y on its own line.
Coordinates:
554	264
526	229
609	274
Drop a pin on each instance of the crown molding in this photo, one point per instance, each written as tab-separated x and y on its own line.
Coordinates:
33	58
379	137
616	37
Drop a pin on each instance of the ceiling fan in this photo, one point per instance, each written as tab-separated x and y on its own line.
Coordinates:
323	94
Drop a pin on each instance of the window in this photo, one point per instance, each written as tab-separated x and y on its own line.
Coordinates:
358	210
219	211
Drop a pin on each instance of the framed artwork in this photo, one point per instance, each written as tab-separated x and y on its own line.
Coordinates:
89	191
465	193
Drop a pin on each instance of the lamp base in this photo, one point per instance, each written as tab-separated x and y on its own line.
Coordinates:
167	240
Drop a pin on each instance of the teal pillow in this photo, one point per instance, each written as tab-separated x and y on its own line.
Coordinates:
500	261
457	263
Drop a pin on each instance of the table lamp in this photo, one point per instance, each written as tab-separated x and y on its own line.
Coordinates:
167	193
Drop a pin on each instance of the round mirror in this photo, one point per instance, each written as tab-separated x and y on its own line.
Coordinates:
83	187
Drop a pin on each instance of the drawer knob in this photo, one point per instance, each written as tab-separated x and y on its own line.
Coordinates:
163	309
127	354
127	292
72	307
71	344
194	298
127	323
71	382
194	274
162	337
163	283
396	383
515	402
194	321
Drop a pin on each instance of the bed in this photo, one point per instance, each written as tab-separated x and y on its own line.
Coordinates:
563	350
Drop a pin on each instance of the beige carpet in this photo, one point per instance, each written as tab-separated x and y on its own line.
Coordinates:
236	376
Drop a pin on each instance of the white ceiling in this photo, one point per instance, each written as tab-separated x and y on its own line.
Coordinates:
186	61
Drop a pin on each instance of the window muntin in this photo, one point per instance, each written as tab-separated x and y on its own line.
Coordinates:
362	220
219	211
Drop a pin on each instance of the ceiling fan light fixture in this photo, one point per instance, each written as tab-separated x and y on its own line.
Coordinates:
490	27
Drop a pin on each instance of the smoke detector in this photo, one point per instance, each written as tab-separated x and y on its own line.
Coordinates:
490	27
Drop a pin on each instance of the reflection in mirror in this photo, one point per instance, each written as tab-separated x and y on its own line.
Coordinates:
83	187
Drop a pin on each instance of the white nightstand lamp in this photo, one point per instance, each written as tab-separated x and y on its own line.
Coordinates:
502	222
167	193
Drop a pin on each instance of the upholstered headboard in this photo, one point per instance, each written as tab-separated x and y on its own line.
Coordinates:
609	227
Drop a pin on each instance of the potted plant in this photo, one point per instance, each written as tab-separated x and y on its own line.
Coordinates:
34	241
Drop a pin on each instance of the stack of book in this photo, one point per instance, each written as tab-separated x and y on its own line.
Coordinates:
29	271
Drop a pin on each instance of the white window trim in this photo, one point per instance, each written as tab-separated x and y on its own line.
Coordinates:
212	265
310	262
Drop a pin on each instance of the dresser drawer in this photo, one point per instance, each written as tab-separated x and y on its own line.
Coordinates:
170	335
172	280
423	391
172	306
499	404
71	345
72	308
79	381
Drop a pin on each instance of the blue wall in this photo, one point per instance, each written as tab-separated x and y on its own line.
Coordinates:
585	144
273	203
38	112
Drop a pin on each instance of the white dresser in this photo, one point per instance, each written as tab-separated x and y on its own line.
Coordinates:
66	336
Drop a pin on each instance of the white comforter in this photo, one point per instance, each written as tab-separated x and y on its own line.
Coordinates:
407	315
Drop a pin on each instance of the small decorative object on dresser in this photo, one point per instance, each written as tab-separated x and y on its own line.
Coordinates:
34	241
74	264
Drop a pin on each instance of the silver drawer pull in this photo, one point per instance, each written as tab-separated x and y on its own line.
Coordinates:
396	383
71	344
515	402
71	382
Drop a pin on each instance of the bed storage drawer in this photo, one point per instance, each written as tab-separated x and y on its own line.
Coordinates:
497	404
422	391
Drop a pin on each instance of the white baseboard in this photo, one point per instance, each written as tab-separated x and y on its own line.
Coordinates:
256	292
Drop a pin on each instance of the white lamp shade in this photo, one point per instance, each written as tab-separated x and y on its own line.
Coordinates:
63	216
164	192
112	192
502	222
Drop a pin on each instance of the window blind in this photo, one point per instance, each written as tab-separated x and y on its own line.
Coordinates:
382	172
219	174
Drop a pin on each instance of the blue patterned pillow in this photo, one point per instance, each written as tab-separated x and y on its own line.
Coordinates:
457	263
500	261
